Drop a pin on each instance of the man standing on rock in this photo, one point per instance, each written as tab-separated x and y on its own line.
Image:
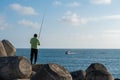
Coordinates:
34	48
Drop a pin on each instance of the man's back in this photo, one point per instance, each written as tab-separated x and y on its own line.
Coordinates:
34	43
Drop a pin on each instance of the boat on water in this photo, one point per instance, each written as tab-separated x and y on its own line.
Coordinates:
67	52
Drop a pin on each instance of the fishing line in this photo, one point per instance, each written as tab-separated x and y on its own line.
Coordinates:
41	26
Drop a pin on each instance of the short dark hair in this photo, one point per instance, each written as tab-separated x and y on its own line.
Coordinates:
35	35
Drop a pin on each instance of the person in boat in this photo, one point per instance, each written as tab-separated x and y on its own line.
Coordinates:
34	48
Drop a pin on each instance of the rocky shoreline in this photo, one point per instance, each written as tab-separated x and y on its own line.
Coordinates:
19	68
51	71
95	71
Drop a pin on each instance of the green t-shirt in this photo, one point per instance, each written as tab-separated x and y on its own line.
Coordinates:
34	43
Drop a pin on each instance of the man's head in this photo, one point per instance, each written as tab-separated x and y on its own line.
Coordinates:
35	35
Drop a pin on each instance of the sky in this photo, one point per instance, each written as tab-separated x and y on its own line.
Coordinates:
66	24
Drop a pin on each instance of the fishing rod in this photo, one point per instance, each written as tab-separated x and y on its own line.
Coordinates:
41	26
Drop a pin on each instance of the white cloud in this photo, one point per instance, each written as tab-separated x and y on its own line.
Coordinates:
112	33
111	17
73	18
57	3
29	23
3	23
70	4
74	4
101	1
23	10
76	20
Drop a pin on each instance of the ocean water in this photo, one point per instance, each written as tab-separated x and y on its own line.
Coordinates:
78	59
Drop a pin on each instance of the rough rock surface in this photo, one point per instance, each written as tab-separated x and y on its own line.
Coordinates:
9	48
99	75
2	50
78	75
97	71
52	72
96	66
14	67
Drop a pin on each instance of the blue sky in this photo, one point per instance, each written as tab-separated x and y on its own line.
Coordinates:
67	23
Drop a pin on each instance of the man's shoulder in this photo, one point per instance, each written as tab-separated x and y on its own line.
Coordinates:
38	39
35	39
31	38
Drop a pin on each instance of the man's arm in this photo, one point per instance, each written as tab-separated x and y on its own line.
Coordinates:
30	41
38	42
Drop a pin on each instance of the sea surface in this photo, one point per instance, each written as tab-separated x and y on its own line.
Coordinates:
78	59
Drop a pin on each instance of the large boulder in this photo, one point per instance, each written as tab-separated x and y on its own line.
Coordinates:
2	50
10	49
98	71
14	67
99	75
78	75
36	67
51	71
96	66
